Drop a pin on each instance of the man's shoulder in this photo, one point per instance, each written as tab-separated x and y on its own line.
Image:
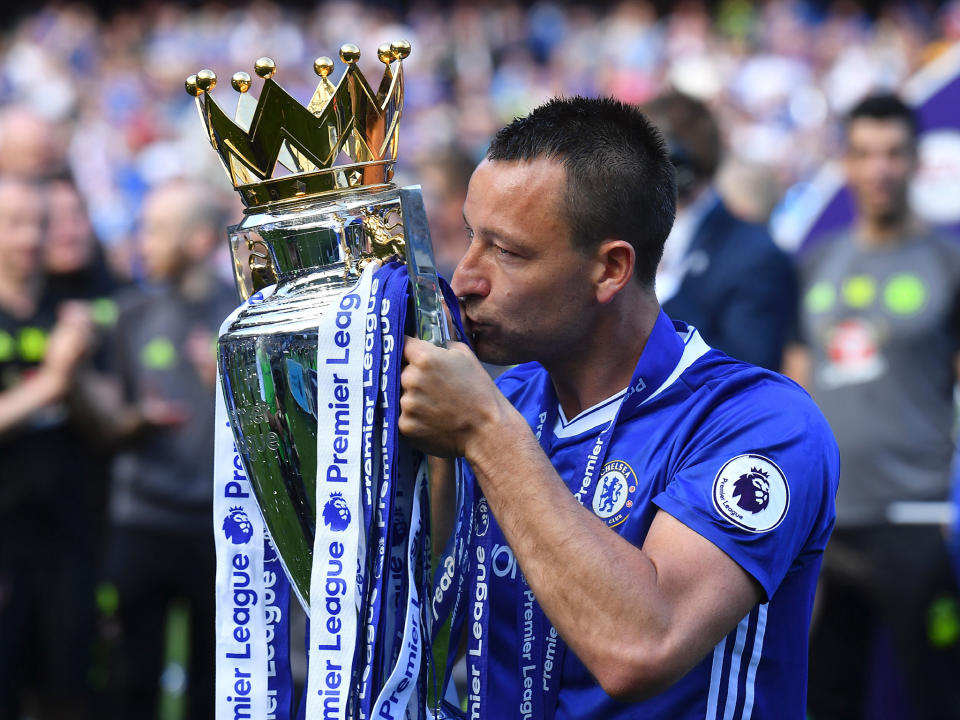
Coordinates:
131	300
825	250
513	381
946	246
738	237
723	385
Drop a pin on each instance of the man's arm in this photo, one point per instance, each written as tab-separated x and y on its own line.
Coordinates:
797	364
638	618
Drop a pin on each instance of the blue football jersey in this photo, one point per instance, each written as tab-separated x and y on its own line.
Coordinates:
738	454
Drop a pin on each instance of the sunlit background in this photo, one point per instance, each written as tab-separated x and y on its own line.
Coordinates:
98	90
777	74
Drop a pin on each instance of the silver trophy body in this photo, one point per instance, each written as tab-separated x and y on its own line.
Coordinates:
268	354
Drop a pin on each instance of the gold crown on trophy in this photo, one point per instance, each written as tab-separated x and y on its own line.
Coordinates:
275	149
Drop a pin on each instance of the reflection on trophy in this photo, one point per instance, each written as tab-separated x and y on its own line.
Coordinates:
320	209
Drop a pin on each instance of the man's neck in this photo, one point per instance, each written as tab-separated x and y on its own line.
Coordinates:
194	282
18	296
610	354
881	232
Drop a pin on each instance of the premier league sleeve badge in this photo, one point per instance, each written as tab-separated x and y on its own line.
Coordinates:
751	491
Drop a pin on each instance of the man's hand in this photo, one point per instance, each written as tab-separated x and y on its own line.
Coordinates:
69	341
201	350
447	396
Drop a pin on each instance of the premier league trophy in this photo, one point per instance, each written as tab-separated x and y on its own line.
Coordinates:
309	369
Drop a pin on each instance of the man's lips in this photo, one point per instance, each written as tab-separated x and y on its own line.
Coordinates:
473	327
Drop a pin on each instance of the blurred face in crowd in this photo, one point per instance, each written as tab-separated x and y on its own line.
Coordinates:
21	217
163	232
881	158
70	243
31	145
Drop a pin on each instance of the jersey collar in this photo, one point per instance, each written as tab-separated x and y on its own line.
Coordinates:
664	358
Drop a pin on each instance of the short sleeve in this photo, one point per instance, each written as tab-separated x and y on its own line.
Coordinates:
758	479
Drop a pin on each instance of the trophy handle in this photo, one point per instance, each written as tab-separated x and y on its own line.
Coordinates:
428	301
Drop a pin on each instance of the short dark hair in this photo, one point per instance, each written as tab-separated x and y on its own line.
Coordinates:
692	135
620	181
885	106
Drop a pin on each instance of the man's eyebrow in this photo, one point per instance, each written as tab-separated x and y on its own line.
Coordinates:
490	233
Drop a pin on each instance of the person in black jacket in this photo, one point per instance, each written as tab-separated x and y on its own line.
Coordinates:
721	274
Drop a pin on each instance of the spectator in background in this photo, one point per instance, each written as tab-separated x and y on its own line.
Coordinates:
73	260
46	590
879	327
31	146
159	546
75	270
444	178
721	274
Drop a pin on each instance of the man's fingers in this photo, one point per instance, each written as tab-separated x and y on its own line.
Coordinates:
414	349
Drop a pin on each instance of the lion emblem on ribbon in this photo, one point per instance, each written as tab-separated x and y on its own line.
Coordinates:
336	513
752	490
237	526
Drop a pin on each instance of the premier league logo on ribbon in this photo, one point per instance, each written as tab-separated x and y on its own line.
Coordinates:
237	526
336	514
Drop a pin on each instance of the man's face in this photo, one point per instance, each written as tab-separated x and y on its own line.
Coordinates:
21	217
161	234
526	290
880	161
70	244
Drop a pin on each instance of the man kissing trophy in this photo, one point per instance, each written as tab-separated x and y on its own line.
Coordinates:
314	489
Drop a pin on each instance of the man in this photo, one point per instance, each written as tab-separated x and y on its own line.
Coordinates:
879	325
159	548
721	274
46	585
669	521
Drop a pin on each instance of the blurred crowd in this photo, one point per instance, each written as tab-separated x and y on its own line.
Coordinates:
778	75
110	195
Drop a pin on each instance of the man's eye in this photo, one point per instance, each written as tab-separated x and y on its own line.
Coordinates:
469	232
503	251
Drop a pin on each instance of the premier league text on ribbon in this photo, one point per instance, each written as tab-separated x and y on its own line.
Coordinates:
244	683
341	390
335	616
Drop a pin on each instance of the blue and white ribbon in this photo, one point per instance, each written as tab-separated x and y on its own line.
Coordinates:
368	645
252	595
334	591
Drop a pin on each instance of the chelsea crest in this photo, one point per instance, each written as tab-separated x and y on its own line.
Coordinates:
612	499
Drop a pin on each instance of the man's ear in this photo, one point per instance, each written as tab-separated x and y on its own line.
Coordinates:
614	268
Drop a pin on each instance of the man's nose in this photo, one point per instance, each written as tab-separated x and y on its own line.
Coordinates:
469	278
